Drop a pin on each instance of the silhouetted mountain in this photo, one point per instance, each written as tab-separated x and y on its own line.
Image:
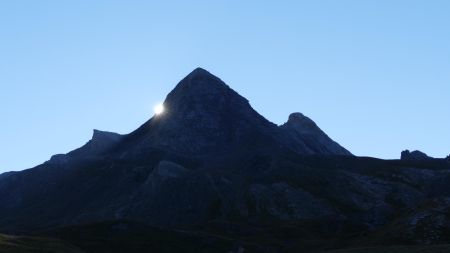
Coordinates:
212	166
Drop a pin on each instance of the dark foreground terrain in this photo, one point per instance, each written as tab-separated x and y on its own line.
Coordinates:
210	174
26	244
134	238
119	237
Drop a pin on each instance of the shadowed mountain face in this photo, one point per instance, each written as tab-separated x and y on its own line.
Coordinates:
212	163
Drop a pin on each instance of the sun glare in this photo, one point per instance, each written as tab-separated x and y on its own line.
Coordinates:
159	108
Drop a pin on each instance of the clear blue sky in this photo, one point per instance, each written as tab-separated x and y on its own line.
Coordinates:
375	75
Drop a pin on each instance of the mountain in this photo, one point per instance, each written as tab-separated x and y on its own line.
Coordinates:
210	167
204	117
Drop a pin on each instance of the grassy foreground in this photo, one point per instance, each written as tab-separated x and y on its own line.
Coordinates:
21	244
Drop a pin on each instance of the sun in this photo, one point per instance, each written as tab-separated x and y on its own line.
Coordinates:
158	109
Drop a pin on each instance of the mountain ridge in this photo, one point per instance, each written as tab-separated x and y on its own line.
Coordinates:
210	158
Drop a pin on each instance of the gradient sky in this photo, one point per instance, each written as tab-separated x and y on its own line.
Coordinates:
374	75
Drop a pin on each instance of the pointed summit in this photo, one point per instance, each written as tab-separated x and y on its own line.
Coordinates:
199	71
201	87
203	97
200	77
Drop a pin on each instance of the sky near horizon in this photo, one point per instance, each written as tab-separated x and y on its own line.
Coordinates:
374	75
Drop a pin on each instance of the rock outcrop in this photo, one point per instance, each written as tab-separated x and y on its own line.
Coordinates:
414	155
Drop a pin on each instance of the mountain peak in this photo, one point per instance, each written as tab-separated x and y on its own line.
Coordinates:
199	82
199	71
202	91
203	114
